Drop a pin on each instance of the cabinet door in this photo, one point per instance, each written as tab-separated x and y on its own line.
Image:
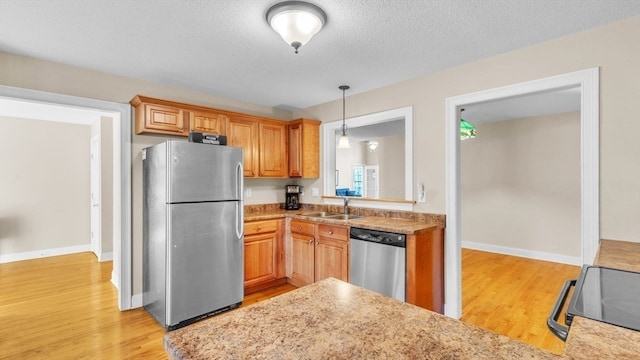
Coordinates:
208	122
302	248
272	149
295	150
331	259
163	119
260	258
304	148
244	133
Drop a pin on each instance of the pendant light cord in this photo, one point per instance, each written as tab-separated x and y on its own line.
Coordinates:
344	124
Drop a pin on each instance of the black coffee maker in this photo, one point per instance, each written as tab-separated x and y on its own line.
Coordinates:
293	197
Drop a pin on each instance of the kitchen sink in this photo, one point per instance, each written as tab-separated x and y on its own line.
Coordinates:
332	215
319	214
343	216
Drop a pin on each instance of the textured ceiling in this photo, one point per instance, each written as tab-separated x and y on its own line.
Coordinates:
226	48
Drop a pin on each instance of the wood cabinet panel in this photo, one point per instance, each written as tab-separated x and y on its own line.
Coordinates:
303	227
272	150
264	263
258	227
260	258
302	259
331	259
304	148
208	122
333	231
160	118
425	270
244	133
318	251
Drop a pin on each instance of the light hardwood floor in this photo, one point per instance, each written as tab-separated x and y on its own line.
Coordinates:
65	307
513	296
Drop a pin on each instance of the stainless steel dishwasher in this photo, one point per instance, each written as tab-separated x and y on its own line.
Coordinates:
377	261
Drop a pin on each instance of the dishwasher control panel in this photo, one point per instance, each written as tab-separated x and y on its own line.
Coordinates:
381	237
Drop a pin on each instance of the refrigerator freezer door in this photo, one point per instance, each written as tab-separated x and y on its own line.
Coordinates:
201	172
205	269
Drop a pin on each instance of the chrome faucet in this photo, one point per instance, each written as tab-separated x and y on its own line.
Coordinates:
346	204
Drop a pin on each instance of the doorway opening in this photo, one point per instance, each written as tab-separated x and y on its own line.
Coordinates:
121	115
588	82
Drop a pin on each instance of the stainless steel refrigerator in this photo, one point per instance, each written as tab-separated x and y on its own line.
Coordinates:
193	231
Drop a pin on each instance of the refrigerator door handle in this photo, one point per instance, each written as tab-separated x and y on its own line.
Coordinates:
239	181
239	220
240	204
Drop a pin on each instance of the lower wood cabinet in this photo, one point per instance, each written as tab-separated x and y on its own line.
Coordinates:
318	251
264	263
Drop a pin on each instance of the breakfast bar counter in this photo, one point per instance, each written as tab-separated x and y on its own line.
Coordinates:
332	319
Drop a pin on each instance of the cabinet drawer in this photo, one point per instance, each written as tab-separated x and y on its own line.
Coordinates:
258	227
333	231
302	227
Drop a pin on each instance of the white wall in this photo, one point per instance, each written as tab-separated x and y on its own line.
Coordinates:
520	185
391	159
44	186
614	48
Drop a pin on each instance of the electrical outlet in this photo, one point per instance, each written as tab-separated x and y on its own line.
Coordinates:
247	192
315	191
422	196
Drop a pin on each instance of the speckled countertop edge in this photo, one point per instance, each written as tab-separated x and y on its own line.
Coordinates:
332	319
382	223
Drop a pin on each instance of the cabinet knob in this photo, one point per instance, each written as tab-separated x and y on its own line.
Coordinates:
299	227
259	227
310	241
317	243
330	232
180	128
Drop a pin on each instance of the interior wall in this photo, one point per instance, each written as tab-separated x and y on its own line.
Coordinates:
520	185
614	48
391	157
44	185
106	184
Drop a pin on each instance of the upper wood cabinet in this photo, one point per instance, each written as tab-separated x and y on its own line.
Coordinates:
264	143
244	133
208	122
160	117
304	148
272	149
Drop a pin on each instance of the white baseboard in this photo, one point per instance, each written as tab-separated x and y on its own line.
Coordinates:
115	280
136	301
529	254
105	257
37	254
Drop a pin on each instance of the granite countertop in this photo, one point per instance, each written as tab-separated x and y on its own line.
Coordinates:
332	319
382	223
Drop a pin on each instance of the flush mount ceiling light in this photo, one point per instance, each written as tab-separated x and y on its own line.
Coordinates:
467	131
343	143
372	144
296	21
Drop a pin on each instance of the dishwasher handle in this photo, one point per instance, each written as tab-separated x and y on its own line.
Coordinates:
561	331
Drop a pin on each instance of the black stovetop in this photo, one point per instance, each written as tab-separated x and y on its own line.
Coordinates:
608	295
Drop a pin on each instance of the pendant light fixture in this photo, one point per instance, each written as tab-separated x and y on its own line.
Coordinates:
343	143
467	131
296	21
